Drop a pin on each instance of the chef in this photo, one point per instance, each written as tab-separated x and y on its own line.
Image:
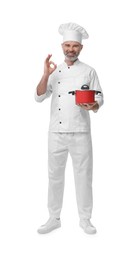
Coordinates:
69	128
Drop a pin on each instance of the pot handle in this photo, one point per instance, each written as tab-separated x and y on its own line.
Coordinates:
97	92
72	92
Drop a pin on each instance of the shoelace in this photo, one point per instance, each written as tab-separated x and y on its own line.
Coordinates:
48	222
88	223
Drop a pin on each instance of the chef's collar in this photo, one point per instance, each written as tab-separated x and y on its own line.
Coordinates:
76	62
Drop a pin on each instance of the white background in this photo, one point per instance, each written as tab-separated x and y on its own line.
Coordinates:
28	32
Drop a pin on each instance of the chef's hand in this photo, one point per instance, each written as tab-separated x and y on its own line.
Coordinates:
90	106
49	66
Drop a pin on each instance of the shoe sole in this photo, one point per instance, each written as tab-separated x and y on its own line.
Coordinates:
90	233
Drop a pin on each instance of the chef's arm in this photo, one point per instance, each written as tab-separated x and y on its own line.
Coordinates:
43	89
95	85
49	67
99	98
42	86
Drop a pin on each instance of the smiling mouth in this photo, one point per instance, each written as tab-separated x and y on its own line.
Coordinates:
71	54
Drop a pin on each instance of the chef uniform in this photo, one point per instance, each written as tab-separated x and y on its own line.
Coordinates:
69	129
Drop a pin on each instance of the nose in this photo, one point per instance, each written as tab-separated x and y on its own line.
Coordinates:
71	48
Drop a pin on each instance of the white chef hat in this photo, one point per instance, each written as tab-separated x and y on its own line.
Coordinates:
73	32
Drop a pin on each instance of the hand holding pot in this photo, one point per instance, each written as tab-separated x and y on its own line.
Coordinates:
90	106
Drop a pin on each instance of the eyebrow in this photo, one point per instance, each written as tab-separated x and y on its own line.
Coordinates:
75	45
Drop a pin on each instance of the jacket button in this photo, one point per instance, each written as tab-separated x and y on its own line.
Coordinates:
58	95
60	122
59	70
59	108
59	82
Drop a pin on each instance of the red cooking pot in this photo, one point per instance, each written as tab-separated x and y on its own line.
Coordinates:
84	96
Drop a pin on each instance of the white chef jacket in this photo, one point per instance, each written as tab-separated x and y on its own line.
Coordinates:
66	116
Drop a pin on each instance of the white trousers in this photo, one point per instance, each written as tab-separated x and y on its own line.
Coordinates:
79	145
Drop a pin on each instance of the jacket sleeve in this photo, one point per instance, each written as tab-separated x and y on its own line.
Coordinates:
45	95
95	85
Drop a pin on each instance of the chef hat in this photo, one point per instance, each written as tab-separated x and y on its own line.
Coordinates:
73	32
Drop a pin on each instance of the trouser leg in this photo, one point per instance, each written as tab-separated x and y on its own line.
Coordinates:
57	157
81	153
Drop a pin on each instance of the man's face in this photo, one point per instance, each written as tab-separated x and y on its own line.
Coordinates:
71	50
